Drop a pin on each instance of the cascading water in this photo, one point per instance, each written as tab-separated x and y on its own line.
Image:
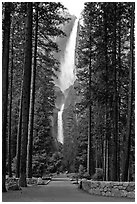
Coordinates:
60	125
67	75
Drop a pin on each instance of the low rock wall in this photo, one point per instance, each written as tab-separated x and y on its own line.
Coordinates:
109	188
13	183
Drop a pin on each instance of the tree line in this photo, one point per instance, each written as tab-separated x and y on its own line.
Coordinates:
106	78
28	96
104	106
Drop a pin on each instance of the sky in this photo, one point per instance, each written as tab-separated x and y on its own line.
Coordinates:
74	7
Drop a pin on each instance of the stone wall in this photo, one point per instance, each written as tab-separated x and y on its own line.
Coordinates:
13	183
109	188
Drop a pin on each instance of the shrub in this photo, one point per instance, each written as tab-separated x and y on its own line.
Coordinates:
98	176
86	175
81	171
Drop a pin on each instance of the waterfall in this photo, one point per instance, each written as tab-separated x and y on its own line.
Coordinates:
67	75
60	125
67	68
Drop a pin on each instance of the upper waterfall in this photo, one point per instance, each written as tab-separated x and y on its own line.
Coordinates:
67	75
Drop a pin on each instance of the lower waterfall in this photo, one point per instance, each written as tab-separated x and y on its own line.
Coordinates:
60	137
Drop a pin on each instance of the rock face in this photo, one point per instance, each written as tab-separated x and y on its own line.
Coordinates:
60	98
109	188
70	97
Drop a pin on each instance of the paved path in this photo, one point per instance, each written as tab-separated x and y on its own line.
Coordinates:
60	189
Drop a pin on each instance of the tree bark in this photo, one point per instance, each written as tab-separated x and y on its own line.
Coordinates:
18	150
26	94
126	155
115	110
5	67
10	107
90	154
32	102
106	96
119	75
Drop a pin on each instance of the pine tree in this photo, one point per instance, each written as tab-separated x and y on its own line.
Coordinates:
26	94
130	101
115	127
5	67
18	146
32	101
90	156
10	104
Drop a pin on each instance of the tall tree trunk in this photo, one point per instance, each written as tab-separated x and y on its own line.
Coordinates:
5	67
32	102
26	94
118	94
90	154
126	155
10	106
115	122
18	150
106	96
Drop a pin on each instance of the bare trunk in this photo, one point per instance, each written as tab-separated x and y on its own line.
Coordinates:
106	98
18	151
115	122
90	156
118	106
10	108
5	67
32	102
26	94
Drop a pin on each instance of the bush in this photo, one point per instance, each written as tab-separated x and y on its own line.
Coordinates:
86	175
39	164
81	171
98	176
